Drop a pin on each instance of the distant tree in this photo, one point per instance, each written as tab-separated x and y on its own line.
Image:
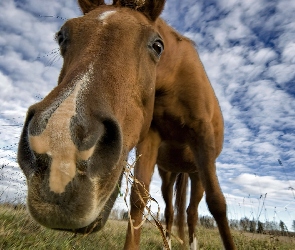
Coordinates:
125	215
114	215
283	227
245	224
118	214
207	221
162	218
234	224
293	225
271	226
260	227
252	227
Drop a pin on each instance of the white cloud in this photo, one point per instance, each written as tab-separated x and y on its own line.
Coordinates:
257	185
289	53
262	56
282	73
5	85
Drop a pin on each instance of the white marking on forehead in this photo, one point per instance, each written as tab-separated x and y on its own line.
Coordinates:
103	16
56	140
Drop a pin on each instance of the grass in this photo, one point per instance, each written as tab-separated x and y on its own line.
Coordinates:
19	231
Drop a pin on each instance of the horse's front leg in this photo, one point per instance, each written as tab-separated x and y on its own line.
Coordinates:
143	171
203	145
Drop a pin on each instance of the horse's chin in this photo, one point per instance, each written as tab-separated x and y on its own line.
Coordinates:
93	227
101	219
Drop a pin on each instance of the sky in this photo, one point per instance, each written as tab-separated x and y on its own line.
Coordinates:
248	50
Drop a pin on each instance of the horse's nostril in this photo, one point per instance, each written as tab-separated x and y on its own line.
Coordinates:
82	167
43	161
112	133
25	155
30	116
85	134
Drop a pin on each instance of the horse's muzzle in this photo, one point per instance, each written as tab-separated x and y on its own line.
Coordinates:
71	183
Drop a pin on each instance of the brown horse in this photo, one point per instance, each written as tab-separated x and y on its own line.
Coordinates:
117	89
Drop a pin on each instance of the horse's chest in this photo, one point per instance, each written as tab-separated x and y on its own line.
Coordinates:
169	127
169	118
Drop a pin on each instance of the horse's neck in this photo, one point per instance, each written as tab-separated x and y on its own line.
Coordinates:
179	56
182	83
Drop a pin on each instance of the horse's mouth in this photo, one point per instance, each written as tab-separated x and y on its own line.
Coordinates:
100	220
93	227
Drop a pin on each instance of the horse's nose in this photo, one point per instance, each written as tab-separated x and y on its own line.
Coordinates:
62	134
65	139
85	133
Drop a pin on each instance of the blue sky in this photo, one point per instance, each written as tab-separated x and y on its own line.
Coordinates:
248	50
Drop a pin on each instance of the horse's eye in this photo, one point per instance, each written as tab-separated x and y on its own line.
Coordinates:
158	47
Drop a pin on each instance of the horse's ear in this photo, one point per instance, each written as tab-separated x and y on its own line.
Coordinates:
151	8
88	5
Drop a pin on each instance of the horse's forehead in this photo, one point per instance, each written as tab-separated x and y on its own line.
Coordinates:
106	14
110	14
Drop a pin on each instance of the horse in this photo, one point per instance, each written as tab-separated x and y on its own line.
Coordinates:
128	80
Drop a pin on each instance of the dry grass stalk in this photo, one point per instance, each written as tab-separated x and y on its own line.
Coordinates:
131	180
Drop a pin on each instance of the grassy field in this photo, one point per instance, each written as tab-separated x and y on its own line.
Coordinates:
19	231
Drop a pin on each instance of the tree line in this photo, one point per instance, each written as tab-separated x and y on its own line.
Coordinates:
244	224
256	226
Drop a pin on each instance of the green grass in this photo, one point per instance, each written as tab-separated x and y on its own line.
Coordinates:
19	231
